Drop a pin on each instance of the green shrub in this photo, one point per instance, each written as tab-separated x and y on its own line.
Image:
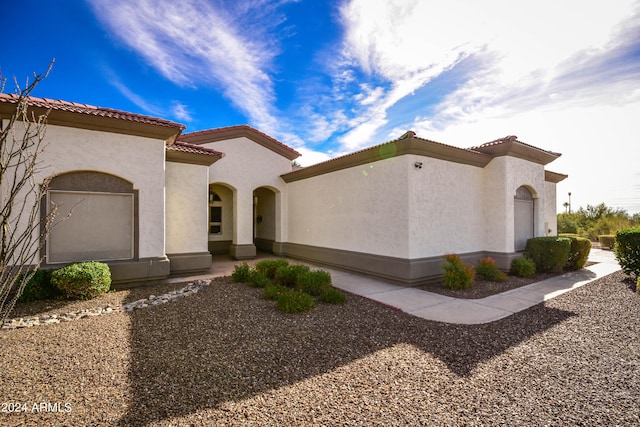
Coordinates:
550	254
294	301
288	275
627	250
332	295
258	279
488	270
579	253
607	240
38	287
272	291
241	273
523	267
269	266
457	273
314	282
85	280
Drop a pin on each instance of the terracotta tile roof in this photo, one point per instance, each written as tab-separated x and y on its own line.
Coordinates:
185	147
73	107
218	134
506	140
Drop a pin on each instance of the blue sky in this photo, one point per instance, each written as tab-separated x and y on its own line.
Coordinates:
332	77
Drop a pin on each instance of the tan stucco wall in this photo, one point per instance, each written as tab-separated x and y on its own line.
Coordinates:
550	214
446	207
186	208
503	176
247	166
362	209
136	159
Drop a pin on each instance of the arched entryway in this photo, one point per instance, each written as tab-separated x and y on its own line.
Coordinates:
523	205
264	224
221	216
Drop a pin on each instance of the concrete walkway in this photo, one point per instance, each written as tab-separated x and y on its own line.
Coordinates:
432	306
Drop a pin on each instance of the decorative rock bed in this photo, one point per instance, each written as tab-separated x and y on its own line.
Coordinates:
151	301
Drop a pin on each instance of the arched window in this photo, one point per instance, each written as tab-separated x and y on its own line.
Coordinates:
215	213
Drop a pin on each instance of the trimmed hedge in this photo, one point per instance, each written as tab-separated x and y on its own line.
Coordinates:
85	280
38	287
288	275
607	241
523	267
314	282
241	273
294	301
269	267
579	253
627	250
258	279
550	254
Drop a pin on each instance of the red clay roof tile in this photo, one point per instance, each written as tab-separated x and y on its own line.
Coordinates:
74	107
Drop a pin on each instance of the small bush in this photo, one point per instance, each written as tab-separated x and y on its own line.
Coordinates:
523	267
241	273
627	250
38	287
269	266
288	275
607	241
488	270
457	273
550	254
294	301
314	282
258	279
272	291
579	253
332	295
85	280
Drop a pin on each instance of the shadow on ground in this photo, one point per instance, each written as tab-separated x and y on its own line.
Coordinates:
228	344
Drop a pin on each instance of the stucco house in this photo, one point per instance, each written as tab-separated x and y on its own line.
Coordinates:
152	201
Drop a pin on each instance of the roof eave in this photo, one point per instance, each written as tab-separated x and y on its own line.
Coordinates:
248	132
519	150
554	177
410	145
79	120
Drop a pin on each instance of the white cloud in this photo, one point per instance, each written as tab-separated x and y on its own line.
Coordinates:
193	43
524	50
181	112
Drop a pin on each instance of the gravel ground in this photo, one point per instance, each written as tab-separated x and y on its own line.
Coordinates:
227	357
484	288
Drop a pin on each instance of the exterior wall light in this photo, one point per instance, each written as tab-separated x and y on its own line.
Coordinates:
418	165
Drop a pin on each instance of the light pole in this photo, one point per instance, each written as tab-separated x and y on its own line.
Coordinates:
569	201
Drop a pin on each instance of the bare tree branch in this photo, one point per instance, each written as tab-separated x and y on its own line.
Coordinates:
23	231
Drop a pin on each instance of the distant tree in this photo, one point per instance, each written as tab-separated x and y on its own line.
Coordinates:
22	229
596	220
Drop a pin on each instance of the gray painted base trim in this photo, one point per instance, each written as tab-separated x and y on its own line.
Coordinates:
142	270
219	246
242	251
264	245
131	271
401	270
189	263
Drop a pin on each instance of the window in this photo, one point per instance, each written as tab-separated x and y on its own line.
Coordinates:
215	214
96	218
